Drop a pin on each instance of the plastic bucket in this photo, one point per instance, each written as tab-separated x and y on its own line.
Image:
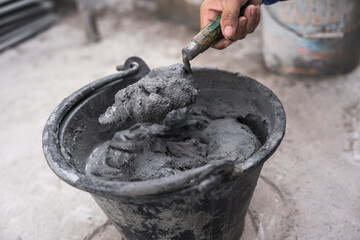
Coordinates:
209	202
312	37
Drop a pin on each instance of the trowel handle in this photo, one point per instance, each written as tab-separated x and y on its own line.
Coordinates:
205	39
212	32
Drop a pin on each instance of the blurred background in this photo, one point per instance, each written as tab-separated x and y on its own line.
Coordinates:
307	52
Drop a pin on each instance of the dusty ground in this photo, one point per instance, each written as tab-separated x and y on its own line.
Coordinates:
309	189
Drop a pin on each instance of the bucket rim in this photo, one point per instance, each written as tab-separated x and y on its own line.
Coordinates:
197	177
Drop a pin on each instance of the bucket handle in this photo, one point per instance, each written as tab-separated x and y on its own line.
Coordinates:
216	176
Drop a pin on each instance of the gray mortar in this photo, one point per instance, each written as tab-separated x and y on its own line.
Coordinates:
152	97
188	139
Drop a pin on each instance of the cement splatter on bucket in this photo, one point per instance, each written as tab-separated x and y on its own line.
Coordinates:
208	202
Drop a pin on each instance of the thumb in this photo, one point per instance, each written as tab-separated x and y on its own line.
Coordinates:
230	17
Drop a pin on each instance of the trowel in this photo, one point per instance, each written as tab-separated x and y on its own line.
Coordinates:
208	36
163	89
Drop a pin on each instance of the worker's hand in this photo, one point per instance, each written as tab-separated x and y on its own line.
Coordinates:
233	28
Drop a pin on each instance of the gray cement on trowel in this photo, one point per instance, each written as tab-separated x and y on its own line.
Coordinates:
152	97
188	138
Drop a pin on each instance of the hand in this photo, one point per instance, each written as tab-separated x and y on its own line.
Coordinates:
233	28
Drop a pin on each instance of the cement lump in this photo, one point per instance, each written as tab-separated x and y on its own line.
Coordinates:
152	97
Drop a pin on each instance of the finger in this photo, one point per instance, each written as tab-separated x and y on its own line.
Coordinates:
229	18
251	13
257	3
222	44
241	30
258	17
207	17
208	13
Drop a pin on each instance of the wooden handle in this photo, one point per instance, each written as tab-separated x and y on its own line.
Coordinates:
212	32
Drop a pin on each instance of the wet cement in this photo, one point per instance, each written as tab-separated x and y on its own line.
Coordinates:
188	138
152	97
170	136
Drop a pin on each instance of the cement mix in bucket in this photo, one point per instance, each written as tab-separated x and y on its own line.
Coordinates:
187	139
153	96
166	143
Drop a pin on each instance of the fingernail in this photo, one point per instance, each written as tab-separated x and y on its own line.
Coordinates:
253	12
228	32
243	23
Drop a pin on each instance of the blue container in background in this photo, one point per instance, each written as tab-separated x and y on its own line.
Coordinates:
312	37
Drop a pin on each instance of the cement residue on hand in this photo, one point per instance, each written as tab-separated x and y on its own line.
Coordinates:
152	97
188	138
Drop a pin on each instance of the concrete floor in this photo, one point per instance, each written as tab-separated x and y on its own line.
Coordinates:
309	189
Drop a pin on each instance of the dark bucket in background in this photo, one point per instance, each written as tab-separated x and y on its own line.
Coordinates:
312	37
204	203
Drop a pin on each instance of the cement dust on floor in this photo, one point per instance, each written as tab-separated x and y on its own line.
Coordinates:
309	189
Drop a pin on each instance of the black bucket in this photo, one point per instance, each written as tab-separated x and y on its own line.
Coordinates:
204	203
